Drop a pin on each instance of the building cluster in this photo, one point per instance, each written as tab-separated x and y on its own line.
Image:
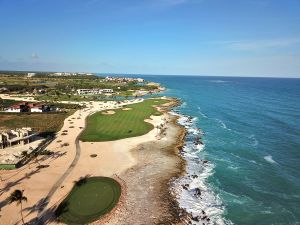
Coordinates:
29	75
16	137
124	79
70	74
31	107
94	91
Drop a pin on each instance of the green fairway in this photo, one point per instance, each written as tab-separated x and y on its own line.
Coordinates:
121	124
89	200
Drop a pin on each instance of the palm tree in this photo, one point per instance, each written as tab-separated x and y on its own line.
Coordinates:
18	197
26	156
82	180
36	158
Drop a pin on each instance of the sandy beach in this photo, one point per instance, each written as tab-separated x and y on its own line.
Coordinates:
146	164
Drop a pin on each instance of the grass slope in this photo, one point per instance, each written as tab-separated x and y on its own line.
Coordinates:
122	124
41	122
90	200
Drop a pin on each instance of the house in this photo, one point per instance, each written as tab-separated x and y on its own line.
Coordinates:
16	137
30	107
94	91
88	91
29	75
106	91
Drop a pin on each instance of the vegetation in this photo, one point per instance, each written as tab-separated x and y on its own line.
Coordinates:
46	87
4	103
7	166
121	124
90	198
18	197
34	120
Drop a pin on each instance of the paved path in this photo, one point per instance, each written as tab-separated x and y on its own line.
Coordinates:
59	182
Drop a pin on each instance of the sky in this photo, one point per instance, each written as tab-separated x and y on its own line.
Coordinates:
173	37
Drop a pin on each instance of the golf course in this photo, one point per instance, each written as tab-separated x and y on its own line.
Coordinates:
90	198
121	123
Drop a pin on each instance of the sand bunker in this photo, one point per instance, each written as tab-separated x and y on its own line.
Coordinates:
126	109
109	112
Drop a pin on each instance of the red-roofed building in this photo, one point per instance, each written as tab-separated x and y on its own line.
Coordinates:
29	107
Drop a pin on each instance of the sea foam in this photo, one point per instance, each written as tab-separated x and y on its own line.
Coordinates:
270	159
198	170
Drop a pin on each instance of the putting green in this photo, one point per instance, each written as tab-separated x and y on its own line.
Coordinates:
89	200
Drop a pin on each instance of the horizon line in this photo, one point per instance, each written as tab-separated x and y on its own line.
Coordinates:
188	75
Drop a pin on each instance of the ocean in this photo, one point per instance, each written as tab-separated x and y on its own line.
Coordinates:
247	167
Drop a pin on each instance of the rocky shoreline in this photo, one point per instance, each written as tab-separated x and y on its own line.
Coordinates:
149	199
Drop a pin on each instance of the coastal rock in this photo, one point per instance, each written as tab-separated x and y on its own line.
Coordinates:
185	186
197	192
198	141
196	218
194	176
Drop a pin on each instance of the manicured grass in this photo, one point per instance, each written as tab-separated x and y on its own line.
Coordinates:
122	124
89	200
41	122
7	167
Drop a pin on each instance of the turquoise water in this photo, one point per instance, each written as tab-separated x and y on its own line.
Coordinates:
252	143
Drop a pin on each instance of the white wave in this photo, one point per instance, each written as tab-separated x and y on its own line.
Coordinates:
208	201
218	81
222	124
194	119
197	173
201	113
270	159
199	147
183	105
255	141
233	167
195	131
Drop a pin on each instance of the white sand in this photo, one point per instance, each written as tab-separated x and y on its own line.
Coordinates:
18	98
127	109
109	112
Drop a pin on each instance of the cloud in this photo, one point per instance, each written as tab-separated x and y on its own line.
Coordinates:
262	44
34	55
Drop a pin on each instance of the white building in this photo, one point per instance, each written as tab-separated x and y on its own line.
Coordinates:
88	91
29	75
14	137
30	107
94	91
106	91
